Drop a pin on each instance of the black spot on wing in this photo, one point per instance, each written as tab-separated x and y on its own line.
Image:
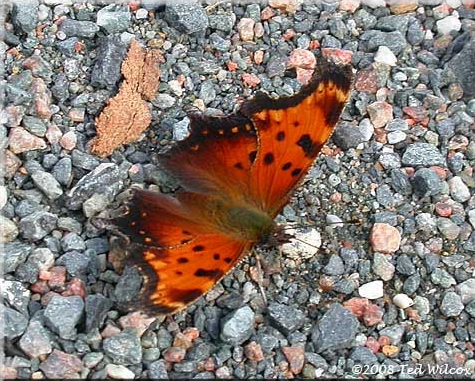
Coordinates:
296	172
286	166
309	147
213	274
252	156
182	260
280	136
198	248
269	158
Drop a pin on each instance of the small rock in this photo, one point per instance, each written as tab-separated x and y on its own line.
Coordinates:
174	354
448	24
362	355
14	323
21	140
124	348
285	318
324	334
386	56
296	358
466	290
385	238
451	304
422	154
62	314
245	29
383	267
402	301
119	372
253	351
238	326
24	15
46	182
9	230
443	278
114	18
426	182
110	54
458	190
404	265
60	365
186	17
78	28
37	225
394	332
372	290
380	113
35	342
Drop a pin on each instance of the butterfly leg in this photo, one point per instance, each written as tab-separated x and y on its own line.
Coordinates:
260	276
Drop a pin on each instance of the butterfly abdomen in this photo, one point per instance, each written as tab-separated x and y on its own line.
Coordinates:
249	223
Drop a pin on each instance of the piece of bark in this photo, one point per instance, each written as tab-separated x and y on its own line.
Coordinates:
127	115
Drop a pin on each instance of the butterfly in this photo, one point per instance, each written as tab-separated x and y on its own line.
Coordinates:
236	174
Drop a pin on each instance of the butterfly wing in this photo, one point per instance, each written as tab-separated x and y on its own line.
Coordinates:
180	256
292	131
258	155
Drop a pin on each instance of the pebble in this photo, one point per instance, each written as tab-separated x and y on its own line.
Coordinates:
466	290
9	230
386	56
35	342
383	267
78	28
443	278
37	225
385	238
106	70
458	190
285	318
380	113
15	323
186	17
61	365
448	24
296	358
422	154
426	182
324	334
114	18
46	182
238	326
371	290
62	314
20	140
124	348
119	372
451	304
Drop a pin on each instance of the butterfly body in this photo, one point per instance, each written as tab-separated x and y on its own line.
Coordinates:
237	173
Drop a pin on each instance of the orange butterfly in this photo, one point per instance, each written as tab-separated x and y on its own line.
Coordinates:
237	173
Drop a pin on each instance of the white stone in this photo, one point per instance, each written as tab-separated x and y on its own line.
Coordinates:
372	290
396	137
402	301
119	372
448	24
3	196
141	13
386	56
304	245
471	217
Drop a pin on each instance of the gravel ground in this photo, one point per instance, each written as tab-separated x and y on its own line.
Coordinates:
392	294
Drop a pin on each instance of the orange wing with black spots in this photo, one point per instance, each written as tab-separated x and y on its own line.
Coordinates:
237	173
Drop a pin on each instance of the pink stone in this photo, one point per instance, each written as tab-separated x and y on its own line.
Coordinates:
41	98
250	79
21	141
174	354
367	80
253	352
284	5
380	113
372	315
296	358
11	163
340	56
301	58
349	5
137	320
14	115
61	365
68	140
385	238
259	57
53	134
75	287
245	28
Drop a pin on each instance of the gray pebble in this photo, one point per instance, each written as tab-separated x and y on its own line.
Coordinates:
324	334
78	28
411	284
114	18
76	262
25	15
383	267
110	54
34	125
96	307
37	225
46	182
422	154
363	355
451	304
186	17
466	290
348	136
62	314
448	228
158	370
395	333
72	241
404	265
124	348
393	40
16	295
9	229
458	190
400	182
14	322
238	326
334	266
285	318
426	182
442	278
17	253
224	23
62	171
